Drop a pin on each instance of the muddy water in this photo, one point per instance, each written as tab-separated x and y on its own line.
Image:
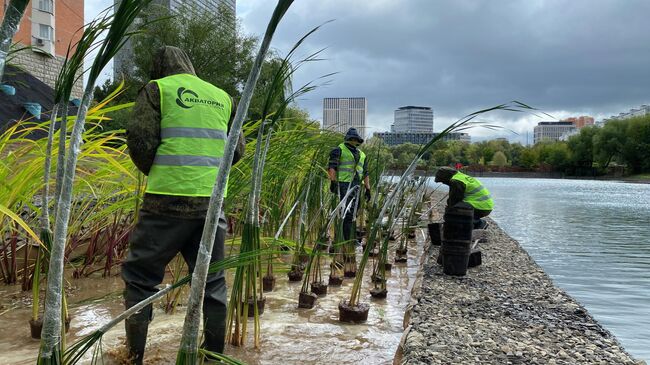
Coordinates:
290	335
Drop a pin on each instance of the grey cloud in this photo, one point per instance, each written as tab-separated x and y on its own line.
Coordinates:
459	56
566	57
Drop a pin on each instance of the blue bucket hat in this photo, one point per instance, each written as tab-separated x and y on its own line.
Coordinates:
353	134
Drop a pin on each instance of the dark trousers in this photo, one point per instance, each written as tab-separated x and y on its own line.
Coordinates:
348	220
154	243
478	214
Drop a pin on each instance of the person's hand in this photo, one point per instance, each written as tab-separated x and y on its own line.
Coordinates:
334	187
368	196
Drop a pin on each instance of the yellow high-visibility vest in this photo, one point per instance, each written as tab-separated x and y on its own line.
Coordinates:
348	165
193	131
476	194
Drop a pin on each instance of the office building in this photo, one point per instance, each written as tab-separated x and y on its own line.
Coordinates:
122	63
48	26
552	131
413	119
419	138
340	114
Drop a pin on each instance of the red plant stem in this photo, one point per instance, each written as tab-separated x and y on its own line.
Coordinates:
14	263
26	275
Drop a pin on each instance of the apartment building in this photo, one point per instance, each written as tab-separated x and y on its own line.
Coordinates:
581	121
48	26
634	112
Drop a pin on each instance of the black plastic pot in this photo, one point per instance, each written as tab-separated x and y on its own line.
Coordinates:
459	222
295	275
319	288
35	327
435	233
475	259
335	281
268	283
307	300
455	257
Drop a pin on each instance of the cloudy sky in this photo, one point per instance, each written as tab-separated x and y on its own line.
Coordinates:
568	58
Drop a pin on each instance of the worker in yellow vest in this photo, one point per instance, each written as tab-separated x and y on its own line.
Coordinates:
176	136
464	188
348	166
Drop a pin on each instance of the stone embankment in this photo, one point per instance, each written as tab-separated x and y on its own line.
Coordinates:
506	311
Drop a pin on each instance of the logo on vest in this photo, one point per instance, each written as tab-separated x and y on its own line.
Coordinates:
187	98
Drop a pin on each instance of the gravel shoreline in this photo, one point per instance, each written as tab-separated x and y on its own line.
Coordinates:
506	311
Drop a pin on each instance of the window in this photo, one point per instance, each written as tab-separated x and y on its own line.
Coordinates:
46	6
46	32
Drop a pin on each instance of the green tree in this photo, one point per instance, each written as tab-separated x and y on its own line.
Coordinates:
377	145
609	142
516	151
582	150
220	51
636	150
499	159
405	148
554	154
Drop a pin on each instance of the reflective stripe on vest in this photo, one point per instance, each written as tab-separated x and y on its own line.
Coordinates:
193	133
476	194
347	164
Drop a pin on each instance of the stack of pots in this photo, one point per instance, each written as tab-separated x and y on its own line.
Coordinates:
457	239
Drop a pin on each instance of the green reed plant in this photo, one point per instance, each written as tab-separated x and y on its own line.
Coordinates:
188	352
117	34
248	284
461	124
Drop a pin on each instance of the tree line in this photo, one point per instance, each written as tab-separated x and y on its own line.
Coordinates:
618	145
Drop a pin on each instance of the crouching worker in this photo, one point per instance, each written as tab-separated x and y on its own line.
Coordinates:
464	188
176	136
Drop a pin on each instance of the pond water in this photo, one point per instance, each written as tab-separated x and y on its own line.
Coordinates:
593	239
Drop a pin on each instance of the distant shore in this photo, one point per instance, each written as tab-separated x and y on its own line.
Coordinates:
637	179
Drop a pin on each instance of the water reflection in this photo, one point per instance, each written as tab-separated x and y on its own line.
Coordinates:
593	239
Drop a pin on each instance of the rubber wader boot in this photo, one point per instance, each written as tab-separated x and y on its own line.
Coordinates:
136	334
214	329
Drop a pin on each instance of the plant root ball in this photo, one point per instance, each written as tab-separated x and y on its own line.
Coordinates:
307	300
378	293
261	303
268	283
353	314
350	274
295	275
319	288
400	259
335	281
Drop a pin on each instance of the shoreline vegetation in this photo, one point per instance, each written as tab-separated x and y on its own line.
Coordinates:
618	149
637	178
506	311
